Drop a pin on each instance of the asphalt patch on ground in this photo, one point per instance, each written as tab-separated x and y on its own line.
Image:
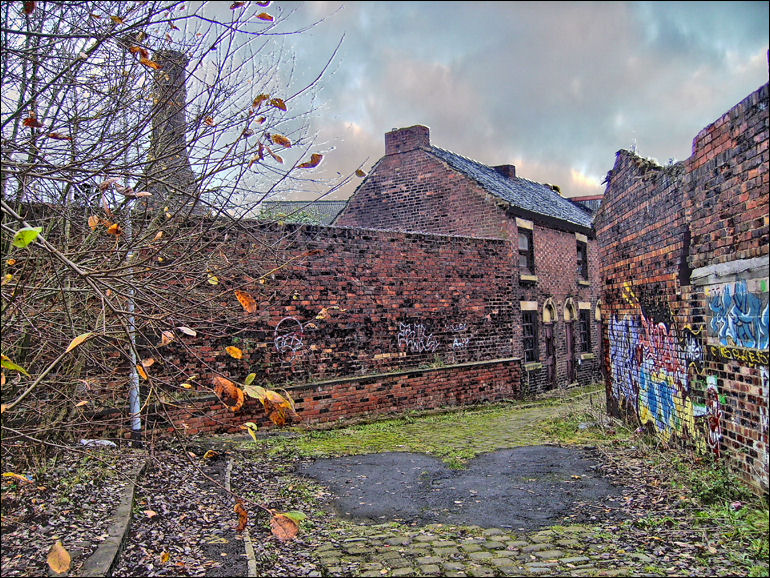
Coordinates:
523	488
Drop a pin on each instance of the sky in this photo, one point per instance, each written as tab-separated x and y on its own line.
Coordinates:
553	88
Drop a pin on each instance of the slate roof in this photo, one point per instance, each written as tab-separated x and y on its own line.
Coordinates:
321	211
527	195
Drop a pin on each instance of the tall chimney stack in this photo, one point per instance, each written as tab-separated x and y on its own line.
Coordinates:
169	176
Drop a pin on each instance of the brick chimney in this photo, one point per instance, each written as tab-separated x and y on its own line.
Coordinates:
400	140
168	175
508	171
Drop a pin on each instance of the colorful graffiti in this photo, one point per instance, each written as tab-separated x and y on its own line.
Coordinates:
650	371
713	415
739	318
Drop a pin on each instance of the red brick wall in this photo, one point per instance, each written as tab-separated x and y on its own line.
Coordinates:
684	266
357	397
414	191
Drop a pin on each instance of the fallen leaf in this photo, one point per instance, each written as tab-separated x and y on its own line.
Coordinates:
17	477
114	229
164	557
93	222
243	516
59	559
210	454
165	338
187	331
141	371
283	527
150	513
234	352
81	403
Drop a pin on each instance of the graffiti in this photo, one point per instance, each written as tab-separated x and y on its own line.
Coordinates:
713	415
288	337
750	357
415	338
623	361
650	370
738	317
460	341
692	349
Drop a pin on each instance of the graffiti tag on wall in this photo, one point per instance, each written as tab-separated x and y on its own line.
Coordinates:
288	337
415	338
739	318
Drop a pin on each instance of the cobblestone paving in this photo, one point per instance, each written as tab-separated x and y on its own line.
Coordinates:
438	550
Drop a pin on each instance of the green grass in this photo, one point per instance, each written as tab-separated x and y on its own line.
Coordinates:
455	436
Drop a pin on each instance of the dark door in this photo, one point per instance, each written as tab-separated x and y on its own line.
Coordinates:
550	357
570	353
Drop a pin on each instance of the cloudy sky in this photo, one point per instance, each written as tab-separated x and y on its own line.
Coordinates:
554	88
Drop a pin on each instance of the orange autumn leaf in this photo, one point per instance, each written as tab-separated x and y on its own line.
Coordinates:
265	16
150	63
209	121
116	19
140	370
147	363
260	99
227	387
279	139
278	103
93	222
360	173
275	156
235	5
59	559
247	301
59	136
142	52
114	229
234	352
243	516
165	338
315	160
32	122
283	527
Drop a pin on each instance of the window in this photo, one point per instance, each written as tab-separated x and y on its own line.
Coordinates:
529	332
582	260
585	330
526	252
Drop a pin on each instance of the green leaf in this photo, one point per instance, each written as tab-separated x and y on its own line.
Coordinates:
8	364
255	391
25	236
250	378
252	429
296	516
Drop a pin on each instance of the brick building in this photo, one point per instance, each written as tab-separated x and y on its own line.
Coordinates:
417	187
684	252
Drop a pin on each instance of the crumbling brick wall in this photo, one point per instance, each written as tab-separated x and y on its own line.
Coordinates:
684	253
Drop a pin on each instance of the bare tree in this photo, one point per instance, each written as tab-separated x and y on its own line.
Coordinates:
136	138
